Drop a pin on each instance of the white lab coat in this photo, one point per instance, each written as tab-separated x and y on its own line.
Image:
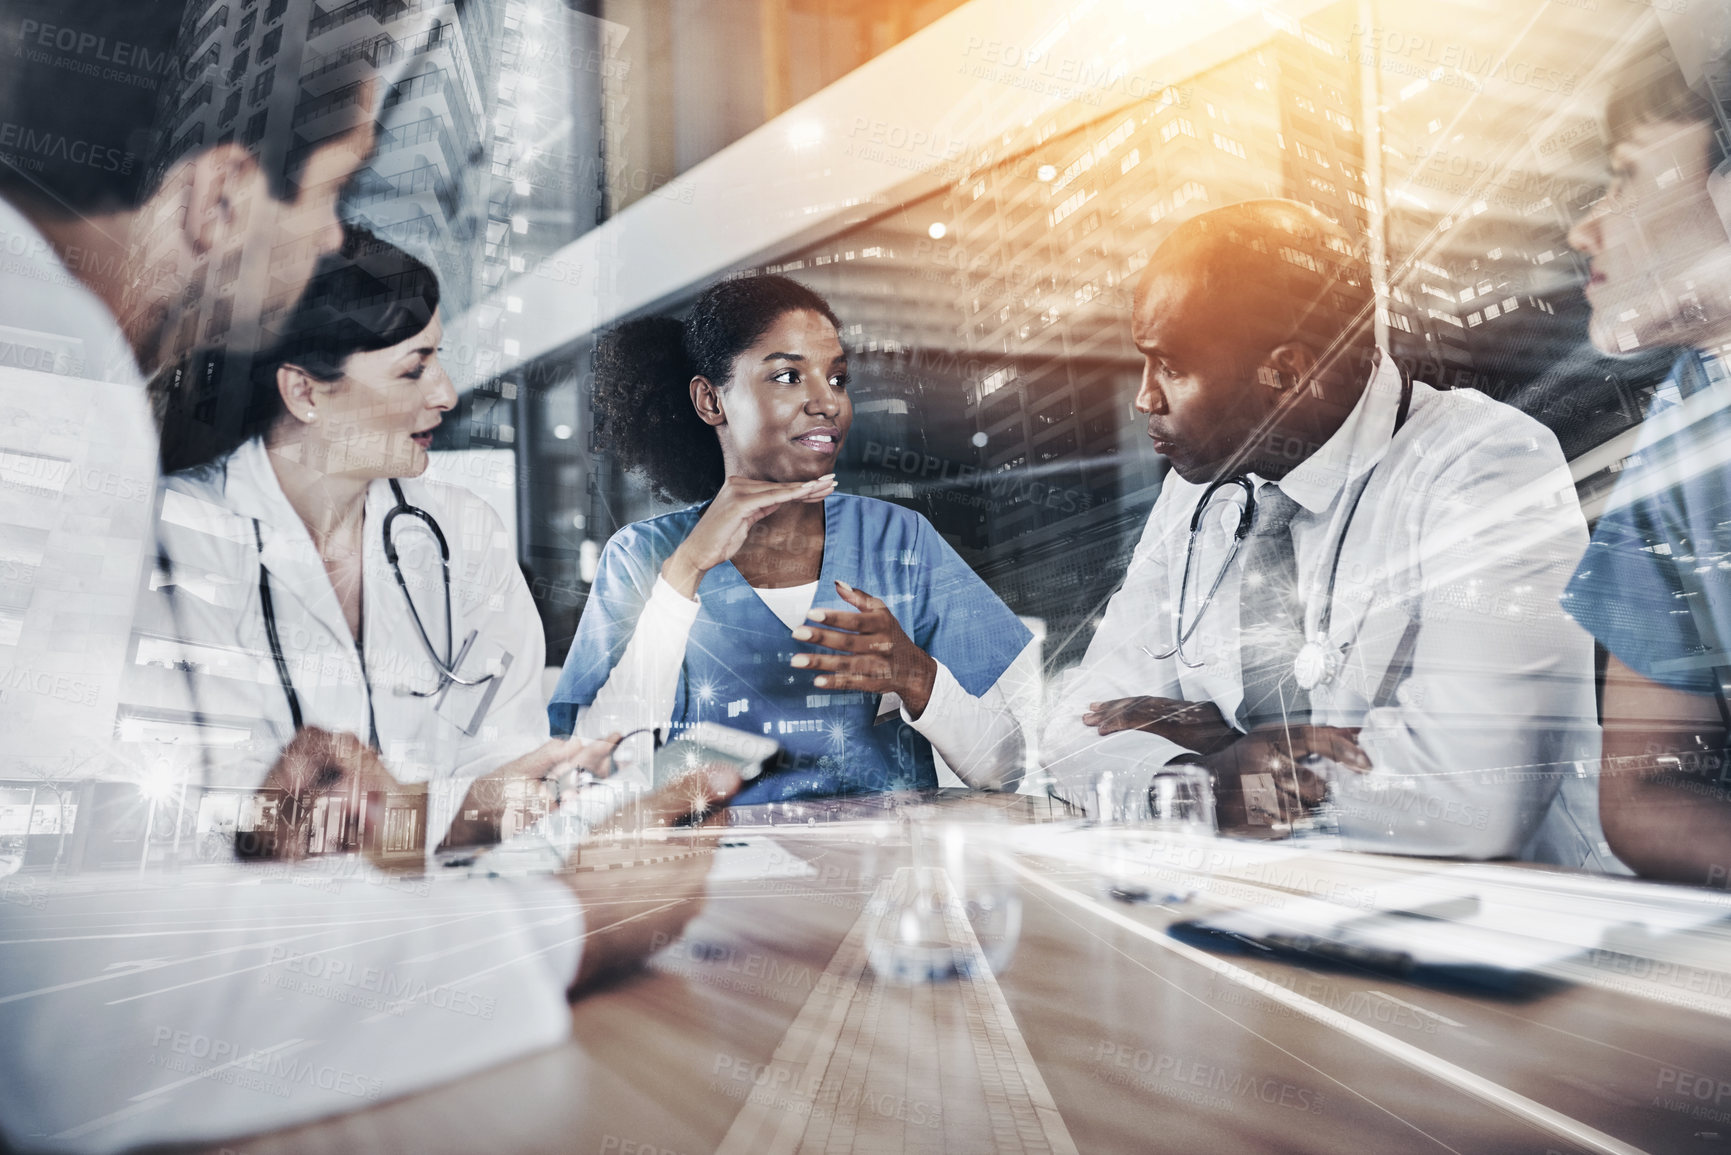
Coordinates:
1468	527
190	1010
209	583
77	490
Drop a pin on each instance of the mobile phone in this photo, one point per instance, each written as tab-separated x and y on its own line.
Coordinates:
710	744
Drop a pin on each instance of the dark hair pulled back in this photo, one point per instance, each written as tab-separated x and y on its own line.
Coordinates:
369	295
643	371
1648	86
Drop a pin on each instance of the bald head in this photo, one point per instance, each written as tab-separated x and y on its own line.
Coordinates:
1253	324
1264	272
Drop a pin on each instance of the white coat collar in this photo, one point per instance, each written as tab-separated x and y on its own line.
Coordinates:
252	491
1360	442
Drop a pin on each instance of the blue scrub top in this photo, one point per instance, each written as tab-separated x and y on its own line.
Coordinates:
1655	584
737	672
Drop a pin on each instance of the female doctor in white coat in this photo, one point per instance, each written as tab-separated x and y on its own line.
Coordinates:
319	583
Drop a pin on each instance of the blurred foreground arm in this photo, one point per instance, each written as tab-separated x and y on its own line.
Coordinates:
631	913
310	989
1663	812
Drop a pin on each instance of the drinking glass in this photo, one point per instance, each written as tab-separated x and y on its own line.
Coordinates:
1135	814
956	908
1180	800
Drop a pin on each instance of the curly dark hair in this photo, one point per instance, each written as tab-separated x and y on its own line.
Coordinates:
643	371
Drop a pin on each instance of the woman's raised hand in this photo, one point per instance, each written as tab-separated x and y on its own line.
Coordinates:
741	504
873	653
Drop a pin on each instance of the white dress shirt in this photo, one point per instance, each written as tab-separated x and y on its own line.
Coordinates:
1467	529
219	1021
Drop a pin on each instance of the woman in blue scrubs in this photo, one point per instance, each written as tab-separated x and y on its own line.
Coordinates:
843	627
1655	585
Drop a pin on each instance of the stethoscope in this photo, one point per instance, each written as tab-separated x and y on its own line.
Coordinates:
1317	661
446	665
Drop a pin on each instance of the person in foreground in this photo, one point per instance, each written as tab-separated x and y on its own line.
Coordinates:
216	1029
1652	586
1348	575
843	627
372	603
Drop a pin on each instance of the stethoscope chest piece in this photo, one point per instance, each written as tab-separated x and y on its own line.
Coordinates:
1316	664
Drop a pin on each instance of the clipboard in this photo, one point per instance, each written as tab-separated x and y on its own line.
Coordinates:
466	707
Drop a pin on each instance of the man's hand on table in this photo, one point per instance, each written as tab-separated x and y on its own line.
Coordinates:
630	913
1195	726
316	763
1263	780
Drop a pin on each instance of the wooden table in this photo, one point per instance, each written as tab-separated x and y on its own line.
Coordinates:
765	1029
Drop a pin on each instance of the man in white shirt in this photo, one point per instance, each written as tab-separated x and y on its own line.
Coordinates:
244	998
1385	620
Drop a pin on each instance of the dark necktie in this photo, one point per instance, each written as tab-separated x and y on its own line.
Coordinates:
1270	616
